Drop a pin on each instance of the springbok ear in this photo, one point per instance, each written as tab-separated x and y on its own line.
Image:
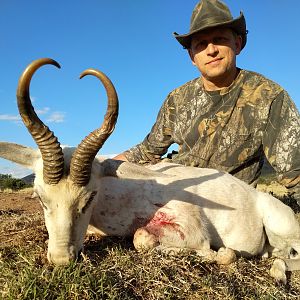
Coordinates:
19	154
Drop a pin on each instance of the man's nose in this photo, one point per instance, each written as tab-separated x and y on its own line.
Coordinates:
211	49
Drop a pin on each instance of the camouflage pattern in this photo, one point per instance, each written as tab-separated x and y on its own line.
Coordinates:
231	130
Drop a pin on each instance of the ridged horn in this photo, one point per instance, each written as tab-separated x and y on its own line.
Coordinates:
53	159
82	159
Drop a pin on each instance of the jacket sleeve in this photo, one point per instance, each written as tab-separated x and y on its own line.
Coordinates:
157	142
281	140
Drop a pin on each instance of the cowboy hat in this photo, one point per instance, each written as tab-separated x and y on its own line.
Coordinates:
209	14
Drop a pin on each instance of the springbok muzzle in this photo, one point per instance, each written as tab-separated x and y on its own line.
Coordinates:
63	256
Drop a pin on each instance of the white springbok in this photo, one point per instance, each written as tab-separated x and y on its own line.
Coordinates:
166	206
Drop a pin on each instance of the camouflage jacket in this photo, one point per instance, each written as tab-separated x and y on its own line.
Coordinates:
232	130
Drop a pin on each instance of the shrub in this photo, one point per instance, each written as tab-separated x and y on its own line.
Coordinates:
8	182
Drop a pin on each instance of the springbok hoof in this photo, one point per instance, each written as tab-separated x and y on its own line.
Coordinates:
225	256
278	271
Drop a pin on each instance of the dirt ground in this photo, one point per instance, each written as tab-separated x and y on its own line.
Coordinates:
21	219
19	202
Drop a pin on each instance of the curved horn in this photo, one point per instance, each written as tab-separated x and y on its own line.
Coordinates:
53	160
82	159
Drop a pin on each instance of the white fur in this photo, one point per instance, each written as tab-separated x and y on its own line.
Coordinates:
167	206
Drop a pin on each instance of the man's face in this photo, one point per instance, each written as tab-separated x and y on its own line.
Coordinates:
214	53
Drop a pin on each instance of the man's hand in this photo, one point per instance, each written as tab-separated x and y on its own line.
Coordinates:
295	193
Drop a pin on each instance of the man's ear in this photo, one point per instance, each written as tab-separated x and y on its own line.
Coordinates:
191	54
238	45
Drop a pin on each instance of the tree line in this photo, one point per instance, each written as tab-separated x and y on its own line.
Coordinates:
8	182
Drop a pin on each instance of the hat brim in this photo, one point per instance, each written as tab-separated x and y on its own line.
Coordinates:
238	25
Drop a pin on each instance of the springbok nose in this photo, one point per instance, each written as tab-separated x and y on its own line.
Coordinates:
62	257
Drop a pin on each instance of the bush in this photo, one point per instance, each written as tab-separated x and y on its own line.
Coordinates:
8	182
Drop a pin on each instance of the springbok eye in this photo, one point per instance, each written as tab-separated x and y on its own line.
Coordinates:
89	201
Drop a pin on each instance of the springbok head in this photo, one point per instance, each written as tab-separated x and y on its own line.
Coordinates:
65	182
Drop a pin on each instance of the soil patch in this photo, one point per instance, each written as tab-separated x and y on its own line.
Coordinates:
20	202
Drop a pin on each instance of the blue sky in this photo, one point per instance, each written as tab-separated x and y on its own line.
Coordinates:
131	41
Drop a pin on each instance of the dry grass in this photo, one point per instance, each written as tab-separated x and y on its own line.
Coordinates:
23	191
112	269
